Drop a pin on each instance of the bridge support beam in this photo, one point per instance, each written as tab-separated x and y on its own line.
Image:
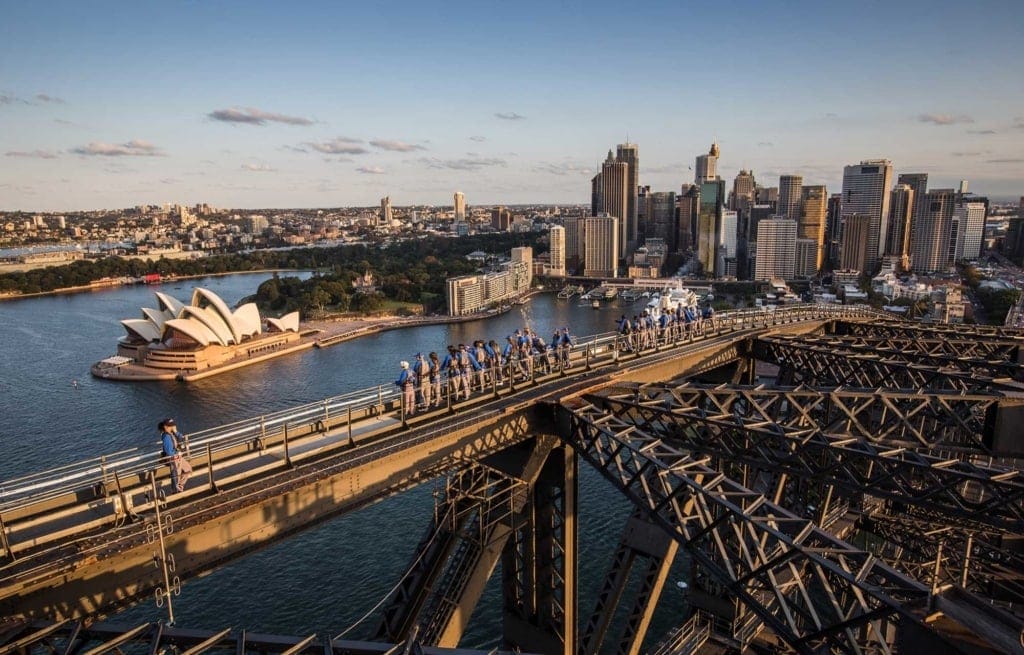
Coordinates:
539	564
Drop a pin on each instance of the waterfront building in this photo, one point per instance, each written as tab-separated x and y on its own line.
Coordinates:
866	189
573	242
601	246
932	231
629	154
776	249
789	196
473	293
855	252
460	206
811	225
706	167
556	238
203	334
709	224
726	264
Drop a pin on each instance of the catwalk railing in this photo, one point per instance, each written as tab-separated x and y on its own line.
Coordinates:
220	447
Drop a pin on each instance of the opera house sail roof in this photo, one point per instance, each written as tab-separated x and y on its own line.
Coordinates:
205	321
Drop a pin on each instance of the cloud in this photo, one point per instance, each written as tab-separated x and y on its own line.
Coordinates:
42	97
134	148
253	116
509	116
982	132
34	154
338	146
169	180
258	168
969	153
565	169
944	119
293	148
765	144
371	170
478	139
1018	123
395	146
1012	160
467	164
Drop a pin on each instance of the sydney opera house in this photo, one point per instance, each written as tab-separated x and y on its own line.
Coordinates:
176	339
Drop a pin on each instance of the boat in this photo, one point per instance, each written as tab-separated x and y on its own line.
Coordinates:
671	300
596	304
629	295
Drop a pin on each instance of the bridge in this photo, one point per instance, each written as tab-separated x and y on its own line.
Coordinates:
867	499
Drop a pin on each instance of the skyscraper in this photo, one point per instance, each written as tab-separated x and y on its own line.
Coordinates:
460	206
930	241
811	226
866	188
709	224
707	166
901	206
776	249
660	213
613	196
385	217
686	217
972	229
743	190
856	242
918	182
629	154
601	246
501	219
789	196
556	238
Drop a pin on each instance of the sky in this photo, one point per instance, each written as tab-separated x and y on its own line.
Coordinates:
327	104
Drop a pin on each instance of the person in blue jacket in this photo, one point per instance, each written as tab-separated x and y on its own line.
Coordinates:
171	448
407	383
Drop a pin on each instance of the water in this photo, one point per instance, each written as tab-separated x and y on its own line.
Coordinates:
326	578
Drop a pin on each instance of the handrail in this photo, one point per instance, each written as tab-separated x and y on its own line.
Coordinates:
34	488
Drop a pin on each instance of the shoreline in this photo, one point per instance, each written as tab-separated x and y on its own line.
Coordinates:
102	287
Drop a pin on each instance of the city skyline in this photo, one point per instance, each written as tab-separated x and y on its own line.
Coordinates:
257	105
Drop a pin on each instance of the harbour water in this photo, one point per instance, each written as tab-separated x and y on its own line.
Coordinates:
324	579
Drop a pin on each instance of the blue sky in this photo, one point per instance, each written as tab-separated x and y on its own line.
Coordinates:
321	104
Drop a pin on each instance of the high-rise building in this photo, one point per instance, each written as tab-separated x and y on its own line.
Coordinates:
743	190
856	243
642	198
901	207
833	228
524	255
766	195
472	293
660	216
613	196
806	257
460	206
811	225
386	215
687	204
727	261
556	238
866	188
501	219
918	182
707	166
789	196
629	154
776	249
601	246
709	224
971	216
932	229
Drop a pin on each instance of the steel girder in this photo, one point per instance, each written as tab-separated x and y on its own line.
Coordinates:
909	330
825	366
989	358
814	591
840	437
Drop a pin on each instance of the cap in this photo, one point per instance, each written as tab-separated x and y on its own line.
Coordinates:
403	364
419	355
169	421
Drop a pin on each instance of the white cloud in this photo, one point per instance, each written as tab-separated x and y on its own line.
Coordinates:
944	119
34	154
509	116
253	116
395	146
134	148
338	146
466	164
371	170
258	168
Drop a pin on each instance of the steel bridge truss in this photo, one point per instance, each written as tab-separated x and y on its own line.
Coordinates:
809	361
859	441
814	591
910	330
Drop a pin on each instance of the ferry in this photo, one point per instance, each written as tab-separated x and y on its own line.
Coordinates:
596	304
671	300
